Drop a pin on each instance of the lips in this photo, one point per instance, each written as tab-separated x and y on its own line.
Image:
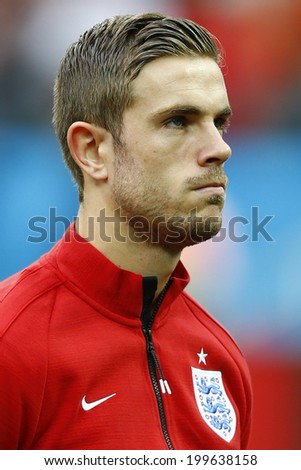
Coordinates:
214	179
214	184
211	184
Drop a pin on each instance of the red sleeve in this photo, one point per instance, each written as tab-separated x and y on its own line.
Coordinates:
24	324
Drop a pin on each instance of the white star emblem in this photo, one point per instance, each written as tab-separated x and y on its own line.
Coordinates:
202	356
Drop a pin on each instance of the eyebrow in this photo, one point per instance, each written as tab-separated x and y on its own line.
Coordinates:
189	110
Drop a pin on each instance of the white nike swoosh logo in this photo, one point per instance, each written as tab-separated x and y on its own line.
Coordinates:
89	406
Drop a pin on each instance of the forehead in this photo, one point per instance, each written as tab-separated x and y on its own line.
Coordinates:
191	80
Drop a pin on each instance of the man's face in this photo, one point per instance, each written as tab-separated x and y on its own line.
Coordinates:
168	170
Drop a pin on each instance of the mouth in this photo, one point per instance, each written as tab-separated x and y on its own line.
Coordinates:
216	187
212	184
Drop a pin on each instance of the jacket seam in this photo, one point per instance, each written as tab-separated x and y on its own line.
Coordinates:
188	299
47	368
25	275
23	307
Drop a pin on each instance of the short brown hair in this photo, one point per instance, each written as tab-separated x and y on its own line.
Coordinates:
94	78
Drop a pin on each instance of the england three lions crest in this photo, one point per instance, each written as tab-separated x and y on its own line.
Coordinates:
213	402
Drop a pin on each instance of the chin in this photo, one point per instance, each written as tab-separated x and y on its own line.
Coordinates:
197	230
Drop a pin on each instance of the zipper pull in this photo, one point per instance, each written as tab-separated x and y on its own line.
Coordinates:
164	386
162	380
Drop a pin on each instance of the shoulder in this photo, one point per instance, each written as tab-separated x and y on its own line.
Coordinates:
198	310
27	300
27	290
209	322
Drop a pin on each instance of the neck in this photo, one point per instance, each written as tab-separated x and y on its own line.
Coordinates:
108	234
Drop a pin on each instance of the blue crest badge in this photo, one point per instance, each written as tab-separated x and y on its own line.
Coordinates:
213	402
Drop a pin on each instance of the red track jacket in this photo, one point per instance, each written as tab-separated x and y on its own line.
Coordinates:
87	363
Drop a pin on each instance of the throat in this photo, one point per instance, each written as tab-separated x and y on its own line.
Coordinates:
136	256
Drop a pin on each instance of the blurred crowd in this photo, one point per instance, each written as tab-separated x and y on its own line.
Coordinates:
261	39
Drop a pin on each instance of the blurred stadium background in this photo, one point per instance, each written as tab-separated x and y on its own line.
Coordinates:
250	281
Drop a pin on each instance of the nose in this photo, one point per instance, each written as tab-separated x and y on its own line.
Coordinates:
213	148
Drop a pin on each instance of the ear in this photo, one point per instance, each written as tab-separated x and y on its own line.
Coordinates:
90	147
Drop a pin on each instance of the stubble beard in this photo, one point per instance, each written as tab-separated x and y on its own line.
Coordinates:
181	231
152	219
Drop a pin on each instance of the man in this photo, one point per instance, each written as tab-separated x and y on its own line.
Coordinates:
101	348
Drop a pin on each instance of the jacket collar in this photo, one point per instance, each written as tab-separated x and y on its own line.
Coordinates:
93	275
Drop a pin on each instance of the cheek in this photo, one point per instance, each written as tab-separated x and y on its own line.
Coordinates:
162	159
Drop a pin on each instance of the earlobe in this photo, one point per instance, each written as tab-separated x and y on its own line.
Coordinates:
85	142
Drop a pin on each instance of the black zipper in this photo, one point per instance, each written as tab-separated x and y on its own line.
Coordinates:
147	318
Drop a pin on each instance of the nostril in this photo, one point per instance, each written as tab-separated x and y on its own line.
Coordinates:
213	161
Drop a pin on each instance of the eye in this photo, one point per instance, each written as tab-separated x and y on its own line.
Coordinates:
176	122
222	124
